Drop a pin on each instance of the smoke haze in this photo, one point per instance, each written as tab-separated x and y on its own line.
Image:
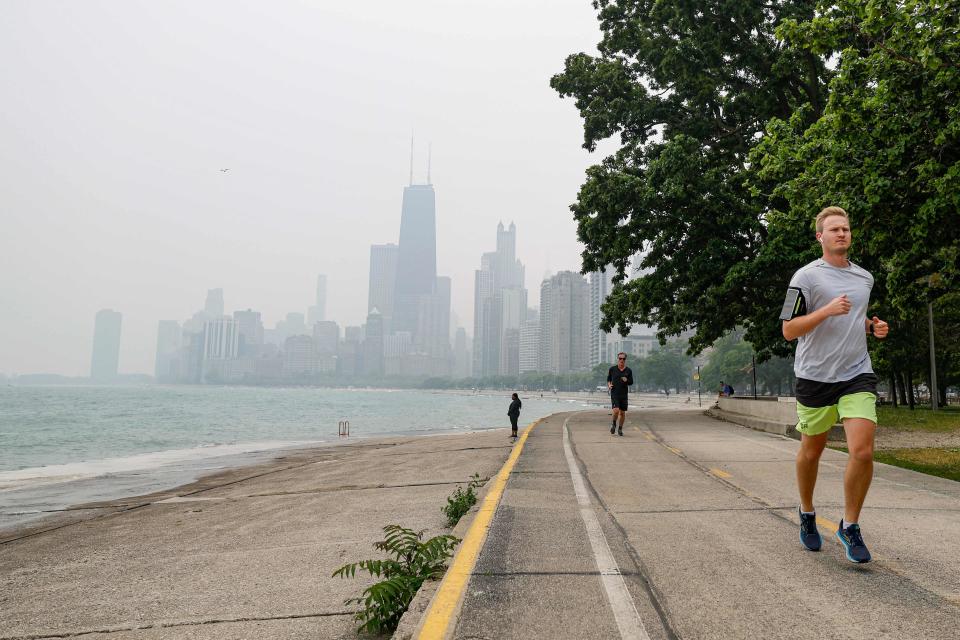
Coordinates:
118	117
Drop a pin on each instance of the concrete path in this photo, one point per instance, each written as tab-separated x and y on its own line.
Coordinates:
686	528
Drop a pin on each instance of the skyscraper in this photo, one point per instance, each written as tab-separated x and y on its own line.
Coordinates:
601	284
106	346
513	311
373	344
250	328
416	255
214	304
482	301
508	270
500	302
169	341
318	311
564	323
299	356
383	278
326	337
530	342
221	339
461	354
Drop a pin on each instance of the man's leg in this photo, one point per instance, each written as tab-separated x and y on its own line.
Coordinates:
808	463
613	424
859	472
623	416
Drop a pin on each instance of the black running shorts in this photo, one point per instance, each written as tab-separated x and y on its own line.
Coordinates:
619	402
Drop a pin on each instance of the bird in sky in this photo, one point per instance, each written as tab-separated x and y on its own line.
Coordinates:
224	170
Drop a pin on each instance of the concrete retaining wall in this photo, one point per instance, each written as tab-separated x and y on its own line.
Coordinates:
778	416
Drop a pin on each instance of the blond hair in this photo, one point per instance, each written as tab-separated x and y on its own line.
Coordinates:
826	213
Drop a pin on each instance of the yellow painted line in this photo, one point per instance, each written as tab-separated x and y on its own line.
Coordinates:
674	449
720	473
828	524
448	596
648	436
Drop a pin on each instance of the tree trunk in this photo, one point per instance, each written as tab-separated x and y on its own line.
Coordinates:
911	399
942	392
893	388
901	389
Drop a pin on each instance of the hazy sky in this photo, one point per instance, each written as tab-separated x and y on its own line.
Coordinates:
117	117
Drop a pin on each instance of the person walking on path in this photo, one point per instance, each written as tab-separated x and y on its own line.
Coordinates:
826	309
514	413
619	379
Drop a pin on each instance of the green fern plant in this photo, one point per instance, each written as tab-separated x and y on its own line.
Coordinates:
411	562
460	501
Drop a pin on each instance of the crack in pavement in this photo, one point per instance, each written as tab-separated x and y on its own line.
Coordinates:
178	623
705	509
501	574
359	487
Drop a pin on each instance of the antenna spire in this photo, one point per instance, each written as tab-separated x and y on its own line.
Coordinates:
411	158
429	154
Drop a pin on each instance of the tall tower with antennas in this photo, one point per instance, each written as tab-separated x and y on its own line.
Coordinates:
416	255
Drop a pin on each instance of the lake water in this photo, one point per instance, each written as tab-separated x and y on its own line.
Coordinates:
66	445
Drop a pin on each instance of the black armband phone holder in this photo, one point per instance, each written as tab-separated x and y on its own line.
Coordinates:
794	304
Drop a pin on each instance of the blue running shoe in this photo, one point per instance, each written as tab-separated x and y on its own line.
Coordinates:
809	535
853	543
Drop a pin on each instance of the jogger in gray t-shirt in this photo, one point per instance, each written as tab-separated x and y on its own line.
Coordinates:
826	308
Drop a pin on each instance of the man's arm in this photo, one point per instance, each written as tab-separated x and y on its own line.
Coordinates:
802	325
629	376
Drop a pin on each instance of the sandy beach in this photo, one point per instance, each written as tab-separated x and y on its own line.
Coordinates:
244	553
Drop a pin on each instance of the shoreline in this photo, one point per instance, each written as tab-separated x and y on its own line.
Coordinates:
138	486
27	500
245	552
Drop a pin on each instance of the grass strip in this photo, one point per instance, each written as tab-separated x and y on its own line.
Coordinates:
920	419
934	461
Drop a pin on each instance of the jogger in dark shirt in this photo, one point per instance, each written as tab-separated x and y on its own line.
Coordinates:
619	379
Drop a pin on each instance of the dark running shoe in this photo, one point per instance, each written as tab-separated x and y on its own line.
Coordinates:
613	428
809	535
853	544
620	431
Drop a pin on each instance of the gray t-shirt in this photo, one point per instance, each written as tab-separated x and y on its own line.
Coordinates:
836	350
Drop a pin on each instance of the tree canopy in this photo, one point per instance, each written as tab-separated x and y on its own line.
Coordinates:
688	87
738	121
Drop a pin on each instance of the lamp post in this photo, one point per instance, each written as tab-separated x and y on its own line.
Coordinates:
696	377
934	395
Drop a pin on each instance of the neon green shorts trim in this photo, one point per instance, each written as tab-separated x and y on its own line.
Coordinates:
814	421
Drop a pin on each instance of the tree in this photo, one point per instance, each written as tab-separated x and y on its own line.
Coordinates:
730	362
688	87
887	148
667	368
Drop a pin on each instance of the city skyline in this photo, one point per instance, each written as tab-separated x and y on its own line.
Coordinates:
120	201
512	336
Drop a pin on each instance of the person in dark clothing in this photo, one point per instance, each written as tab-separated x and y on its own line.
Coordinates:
514	413
619	379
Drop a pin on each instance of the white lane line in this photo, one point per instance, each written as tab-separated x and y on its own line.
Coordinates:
624	610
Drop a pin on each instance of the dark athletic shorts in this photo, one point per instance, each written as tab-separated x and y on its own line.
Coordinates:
811	393
619	402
